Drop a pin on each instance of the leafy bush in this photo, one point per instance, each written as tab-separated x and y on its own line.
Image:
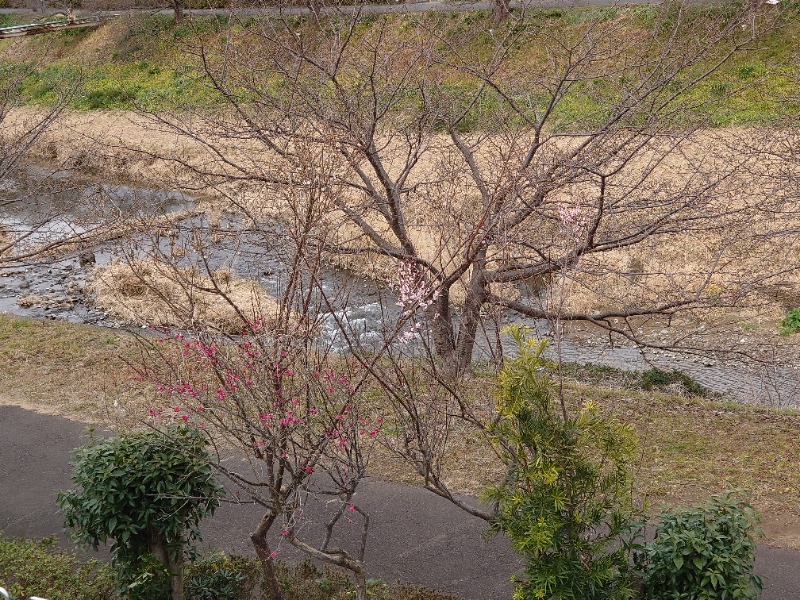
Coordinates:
656	378
703	553
222	577
148	492
565	503
38	567
791	322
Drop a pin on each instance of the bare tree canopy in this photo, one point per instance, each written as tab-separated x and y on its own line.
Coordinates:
554	170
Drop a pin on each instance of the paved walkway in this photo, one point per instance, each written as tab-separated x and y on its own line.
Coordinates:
415	536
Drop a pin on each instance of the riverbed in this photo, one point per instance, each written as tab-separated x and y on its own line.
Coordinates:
44	203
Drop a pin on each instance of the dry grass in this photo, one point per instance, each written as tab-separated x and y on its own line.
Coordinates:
74	371
688	448
149	292
749	235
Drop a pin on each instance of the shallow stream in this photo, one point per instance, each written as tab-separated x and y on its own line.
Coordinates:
56	289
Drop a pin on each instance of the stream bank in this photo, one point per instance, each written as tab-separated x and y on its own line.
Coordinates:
57	289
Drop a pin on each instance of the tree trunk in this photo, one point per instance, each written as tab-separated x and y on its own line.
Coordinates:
176	577
158	549
177	7
441	325
468	329
361	586
501	10
259	539
471	314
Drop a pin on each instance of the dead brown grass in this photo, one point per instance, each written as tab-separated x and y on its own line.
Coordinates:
73	371
153	293
749	237
688	449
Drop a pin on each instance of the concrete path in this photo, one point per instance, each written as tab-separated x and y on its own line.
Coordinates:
415	536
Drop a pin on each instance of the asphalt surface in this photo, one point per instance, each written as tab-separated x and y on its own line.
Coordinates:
415	537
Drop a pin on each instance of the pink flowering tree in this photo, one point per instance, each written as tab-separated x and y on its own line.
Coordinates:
296	416
414	295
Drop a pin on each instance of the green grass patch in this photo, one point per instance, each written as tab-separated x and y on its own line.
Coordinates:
791	322
12	19
658	379
649	380
757	86
118	86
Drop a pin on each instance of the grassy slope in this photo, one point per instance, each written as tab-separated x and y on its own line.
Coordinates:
689	447
59	368
146	60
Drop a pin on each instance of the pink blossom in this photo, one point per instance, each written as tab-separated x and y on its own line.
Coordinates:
573	220
412	290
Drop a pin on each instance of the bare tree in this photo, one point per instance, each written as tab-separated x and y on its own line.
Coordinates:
178	10
578	188
495	177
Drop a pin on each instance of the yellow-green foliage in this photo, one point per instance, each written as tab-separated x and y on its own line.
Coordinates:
39	568
565	502
150	61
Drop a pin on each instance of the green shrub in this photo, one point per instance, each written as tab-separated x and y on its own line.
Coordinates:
703	553
110	97
143	578
38	567
565	502
148	492
656	378
222	577
791	322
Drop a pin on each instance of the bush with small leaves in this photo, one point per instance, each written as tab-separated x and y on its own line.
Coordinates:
222	577
39	567
565	502
657	379
703	553
148	492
